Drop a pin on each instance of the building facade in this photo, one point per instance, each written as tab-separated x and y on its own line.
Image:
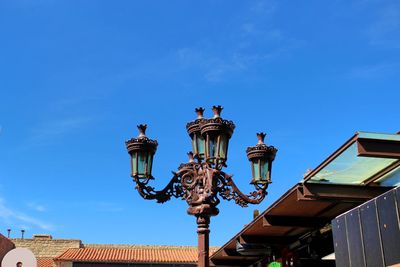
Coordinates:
51	252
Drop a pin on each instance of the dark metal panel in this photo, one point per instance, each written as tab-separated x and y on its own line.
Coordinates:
371	236
340	242
398	201
272	240
389	227
354	238
316	263
233	262
295	221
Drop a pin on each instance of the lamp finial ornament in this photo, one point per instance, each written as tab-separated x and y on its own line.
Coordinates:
217	111
261	137
142	130
199	112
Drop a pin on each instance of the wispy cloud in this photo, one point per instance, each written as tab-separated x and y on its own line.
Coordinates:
385	30
12	217
98	206
213	67
58	127
375	71
107	207
264	7
271	36
31	3
49	131
36	207
217	71
216	67
253	40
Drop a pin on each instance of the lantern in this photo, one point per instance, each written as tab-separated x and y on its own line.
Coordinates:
216	132
193	128
261	157
142	150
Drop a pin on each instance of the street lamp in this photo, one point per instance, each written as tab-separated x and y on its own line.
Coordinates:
201	180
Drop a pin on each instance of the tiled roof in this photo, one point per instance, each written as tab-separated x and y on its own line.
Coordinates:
45	262
153	254
5	246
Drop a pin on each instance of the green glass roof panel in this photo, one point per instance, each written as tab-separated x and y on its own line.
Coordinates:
390	179
348	168
379	136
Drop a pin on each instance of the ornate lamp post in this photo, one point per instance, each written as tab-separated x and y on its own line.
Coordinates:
201	180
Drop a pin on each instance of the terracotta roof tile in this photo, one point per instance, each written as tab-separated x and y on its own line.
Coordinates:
45	262
153	254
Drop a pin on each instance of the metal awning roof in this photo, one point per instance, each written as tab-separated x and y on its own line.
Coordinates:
366	166
364	159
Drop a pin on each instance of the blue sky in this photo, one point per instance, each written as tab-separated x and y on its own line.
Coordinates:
76	77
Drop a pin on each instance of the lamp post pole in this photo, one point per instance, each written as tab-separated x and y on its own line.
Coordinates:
203	233
201	180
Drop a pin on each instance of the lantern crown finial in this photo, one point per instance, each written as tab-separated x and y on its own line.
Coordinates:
142	130
261	137
199	112
142	142
261	150
217	111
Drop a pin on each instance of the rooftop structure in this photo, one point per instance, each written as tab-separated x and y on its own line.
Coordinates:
72	252
132	254
297	229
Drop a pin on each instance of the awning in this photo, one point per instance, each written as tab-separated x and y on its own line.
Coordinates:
366	166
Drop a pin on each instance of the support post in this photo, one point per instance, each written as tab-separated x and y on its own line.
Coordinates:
203	231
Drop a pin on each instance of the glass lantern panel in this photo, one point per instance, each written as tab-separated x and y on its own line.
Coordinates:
201	143
256	170
149	164
264	169
211	147
142	163
194	145
134	164
223	146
